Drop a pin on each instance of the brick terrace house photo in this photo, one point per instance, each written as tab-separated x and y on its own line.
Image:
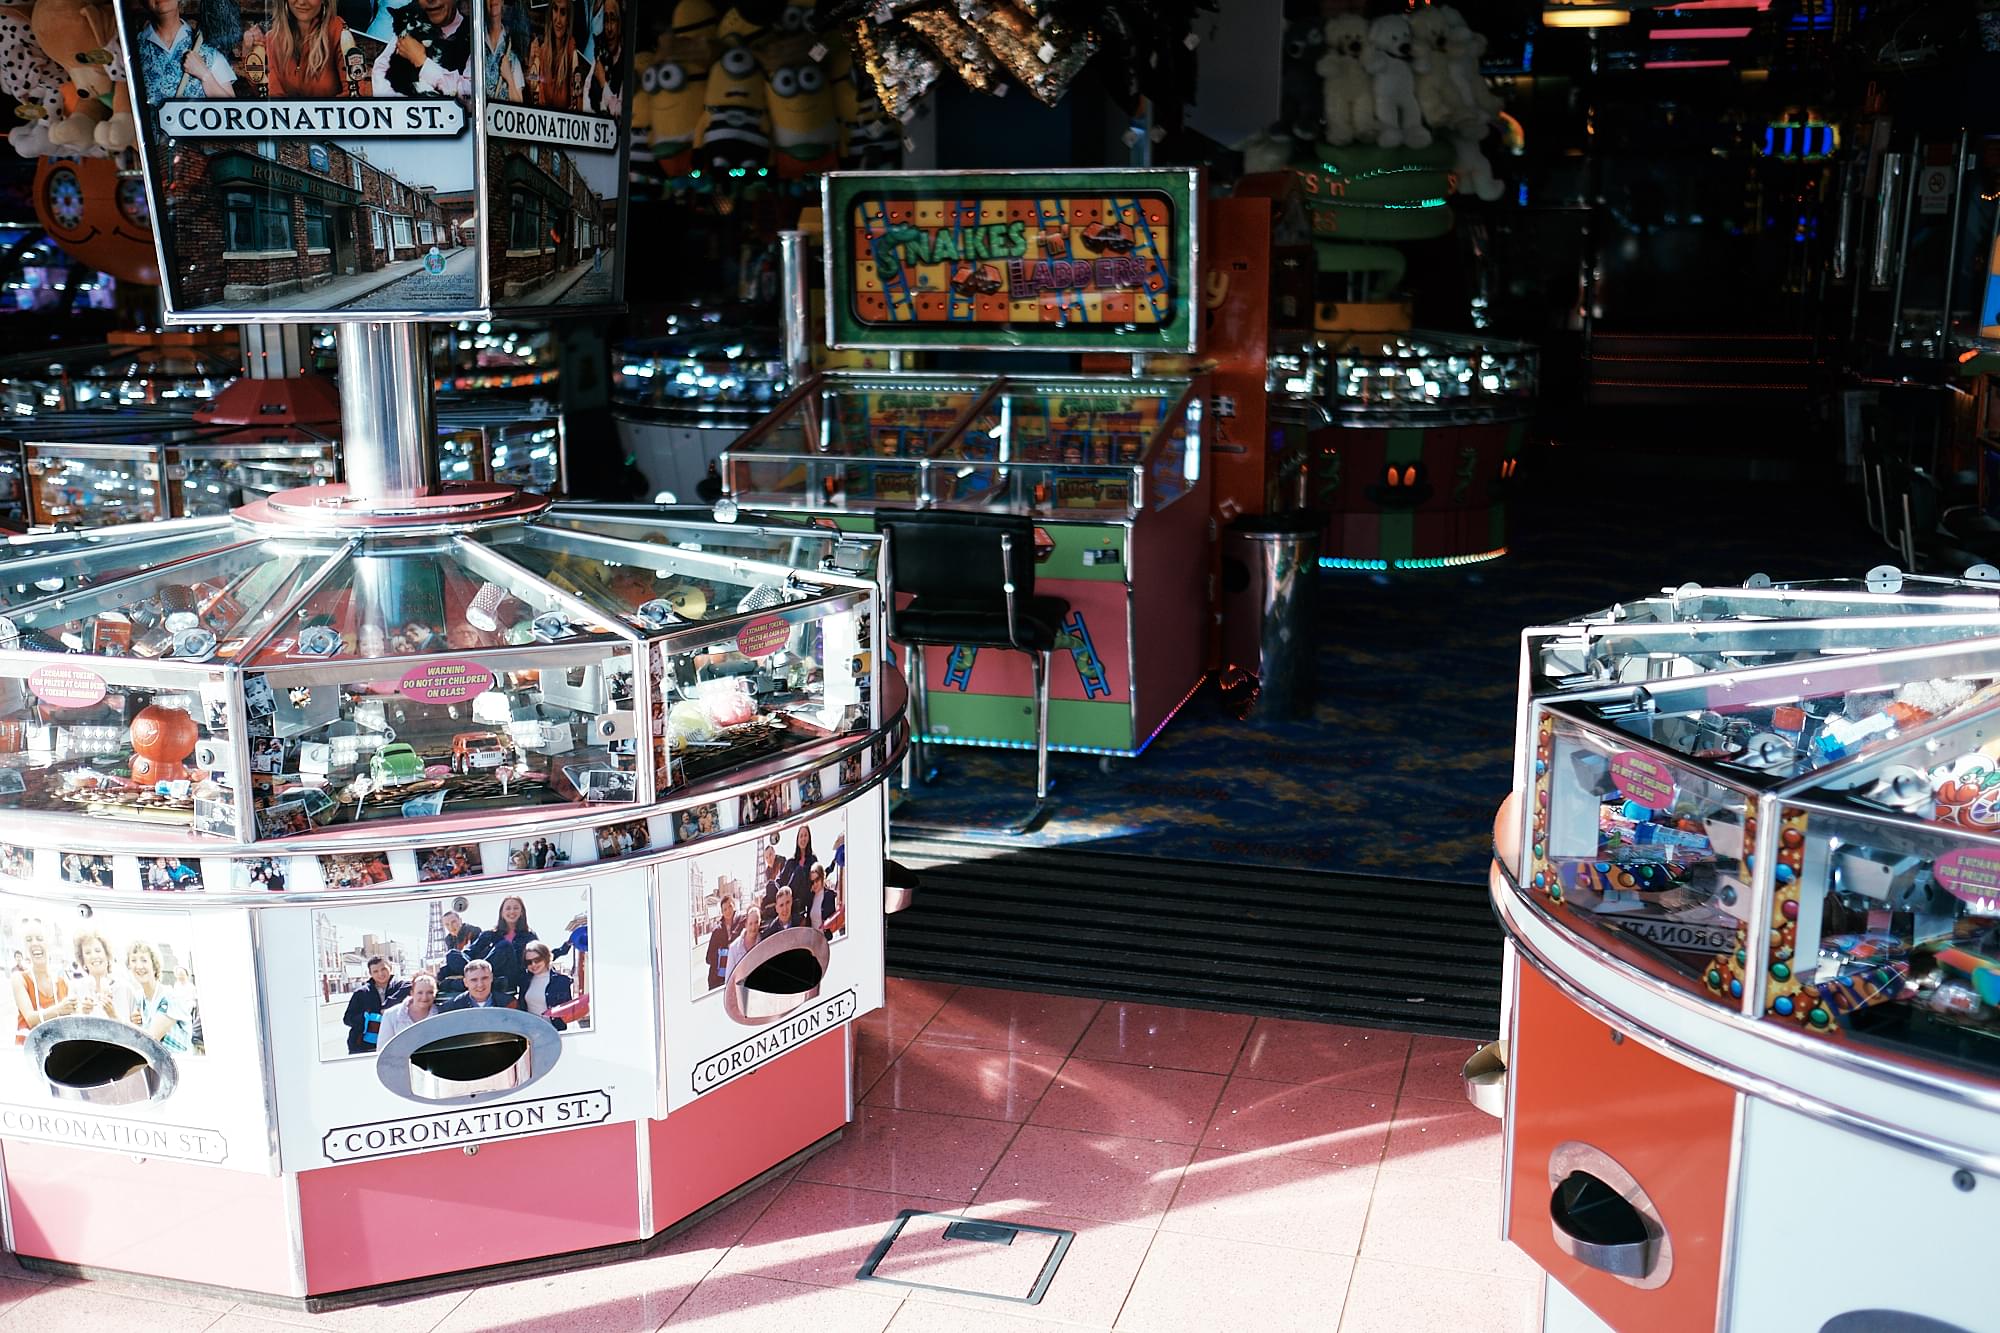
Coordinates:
318	225
554	224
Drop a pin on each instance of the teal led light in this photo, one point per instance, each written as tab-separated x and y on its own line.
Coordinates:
1411	562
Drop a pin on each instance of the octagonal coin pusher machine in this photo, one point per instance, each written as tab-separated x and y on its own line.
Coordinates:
410	879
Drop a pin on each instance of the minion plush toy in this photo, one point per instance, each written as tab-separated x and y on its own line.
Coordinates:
734	130
805	136
735	127
694	19
680	82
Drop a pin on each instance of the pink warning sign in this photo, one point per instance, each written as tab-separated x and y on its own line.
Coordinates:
1971	873
66	686
1643	779
445	682
763	636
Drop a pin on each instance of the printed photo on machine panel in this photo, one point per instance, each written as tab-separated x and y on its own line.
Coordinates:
135	967
698	822
776	801
17	862
552	238
737	895
381	967
167	874
538	853
453	862
355	870
85	868
268	873
626	838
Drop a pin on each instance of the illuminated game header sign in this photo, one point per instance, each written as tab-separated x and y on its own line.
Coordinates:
1076	260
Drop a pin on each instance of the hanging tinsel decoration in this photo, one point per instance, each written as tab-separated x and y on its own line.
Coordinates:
1144	50
959	46
898	63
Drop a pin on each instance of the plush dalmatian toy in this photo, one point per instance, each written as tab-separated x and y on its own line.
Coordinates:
29	77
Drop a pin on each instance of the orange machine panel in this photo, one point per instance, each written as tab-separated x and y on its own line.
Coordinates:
1668	1126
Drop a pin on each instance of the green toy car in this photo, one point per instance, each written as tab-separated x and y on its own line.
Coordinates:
395	764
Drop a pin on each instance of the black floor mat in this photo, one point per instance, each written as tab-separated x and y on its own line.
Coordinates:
1393	953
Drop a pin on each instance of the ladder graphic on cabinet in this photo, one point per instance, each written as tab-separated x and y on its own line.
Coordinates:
1144	247
876	228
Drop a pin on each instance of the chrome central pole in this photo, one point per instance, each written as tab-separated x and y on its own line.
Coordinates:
797	311
387	417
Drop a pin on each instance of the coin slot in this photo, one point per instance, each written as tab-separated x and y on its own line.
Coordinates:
778	975
97	1071
100	1061
468	1054
470	1058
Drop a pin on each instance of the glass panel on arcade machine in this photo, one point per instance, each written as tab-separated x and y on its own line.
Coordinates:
1898	911
39	568
461	453
788	676
232	470
856	441
1657	752
1650	852
426	676
1082	447
653	588
192	610
1898	595
796	542
108	481
1433	373
785	664
528	454
13	484
118	738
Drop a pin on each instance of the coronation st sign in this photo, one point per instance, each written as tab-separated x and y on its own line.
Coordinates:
430	117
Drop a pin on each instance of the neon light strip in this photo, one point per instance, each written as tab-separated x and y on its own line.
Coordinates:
1685	64
1759	5
1418	562
1698	34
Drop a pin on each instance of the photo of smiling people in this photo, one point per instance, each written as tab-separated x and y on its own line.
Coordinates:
383	967
136	968
740	895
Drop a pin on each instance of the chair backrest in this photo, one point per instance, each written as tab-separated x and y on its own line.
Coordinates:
953	555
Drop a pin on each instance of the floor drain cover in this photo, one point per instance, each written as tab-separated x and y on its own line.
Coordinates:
1004	1261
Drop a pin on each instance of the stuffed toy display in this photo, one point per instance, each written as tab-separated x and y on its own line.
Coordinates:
1401	81
82	37
1392	61
33	80
1347	92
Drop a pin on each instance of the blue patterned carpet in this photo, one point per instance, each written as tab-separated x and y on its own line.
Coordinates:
1409	749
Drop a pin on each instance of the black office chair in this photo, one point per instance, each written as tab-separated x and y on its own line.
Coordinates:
970	578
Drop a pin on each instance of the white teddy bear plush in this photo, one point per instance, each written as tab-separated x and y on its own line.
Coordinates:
1391	56
1438	95
1344	83
1463	47
1477	106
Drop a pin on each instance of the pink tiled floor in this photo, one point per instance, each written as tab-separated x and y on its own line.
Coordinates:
1218	1171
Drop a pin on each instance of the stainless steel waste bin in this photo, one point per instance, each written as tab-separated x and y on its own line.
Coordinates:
1270	566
